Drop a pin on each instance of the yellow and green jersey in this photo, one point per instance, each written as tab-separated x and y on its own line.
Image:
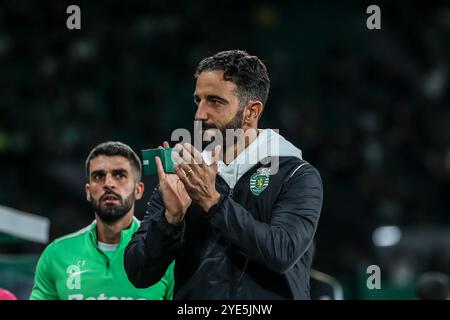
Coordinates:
75	267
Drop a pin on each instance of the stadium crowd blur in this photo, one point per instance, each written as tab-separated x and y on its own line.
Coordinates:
370	109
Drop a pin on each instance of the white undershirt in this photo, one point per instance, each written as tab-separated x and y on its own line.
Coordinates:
107	246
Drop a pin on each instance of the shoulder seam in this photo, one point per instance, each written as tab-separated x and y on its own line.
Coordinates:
296	169
75	234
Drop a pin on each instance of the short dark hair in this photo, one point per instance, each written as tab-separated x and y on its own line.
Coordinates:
116	148
248	73
432	286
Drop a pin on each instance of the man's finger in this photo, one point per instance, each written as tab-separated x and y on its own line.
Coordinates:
182	175
185	154
185	168
196	155
177	160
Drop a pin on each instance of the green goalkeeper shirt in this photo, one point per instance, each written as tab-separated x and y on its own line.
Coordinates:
74	268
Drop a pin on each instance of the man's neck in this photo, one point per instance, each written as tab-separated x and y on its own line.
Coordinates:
232	152
110	232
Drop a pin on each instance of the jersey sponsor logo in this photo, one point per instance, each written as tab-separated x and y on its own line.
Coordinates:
74	275
74	278
101	296
258	182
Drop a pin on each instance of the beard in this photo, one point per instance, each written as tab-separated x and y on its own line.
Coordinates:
234	124
112	212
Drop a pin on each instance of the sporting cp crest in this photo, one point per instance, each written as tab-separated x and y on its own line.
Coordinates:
258	182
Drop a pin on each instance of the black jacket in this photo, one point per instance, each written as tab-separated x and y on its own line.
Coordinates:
245	247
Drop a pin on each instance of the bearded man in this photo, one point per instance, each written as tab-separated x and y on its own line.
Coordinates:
88	264
239	225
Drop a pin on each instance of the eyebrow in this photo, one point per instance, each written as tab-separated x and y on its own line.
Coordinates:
211	97
115	171
122	171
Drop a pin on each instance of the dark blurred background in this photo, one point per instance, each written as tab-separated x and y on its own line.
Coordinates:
368	108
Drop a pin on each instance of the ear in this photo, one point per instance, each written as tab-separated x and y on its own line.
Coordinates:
139	190
253	112
88	195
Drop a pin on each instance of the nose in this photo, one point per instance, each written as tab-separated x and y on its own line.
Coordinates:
201	114
110	181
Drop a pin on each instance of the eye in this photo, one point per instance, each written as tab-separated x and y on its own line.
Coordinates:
216	102
120	175
97	176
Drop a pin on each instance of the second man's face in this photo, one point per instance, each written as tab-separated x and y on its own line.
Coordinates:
112	189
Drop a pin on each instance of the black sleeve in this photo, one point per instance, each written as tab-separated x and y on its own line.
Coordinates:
281	243
153	247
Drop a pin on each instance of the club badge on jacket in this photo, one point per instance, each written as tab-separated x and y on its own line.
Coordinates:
259	181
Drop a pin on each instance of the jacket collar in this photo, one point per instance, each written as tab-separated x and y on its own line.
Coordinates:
125	235
267	144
